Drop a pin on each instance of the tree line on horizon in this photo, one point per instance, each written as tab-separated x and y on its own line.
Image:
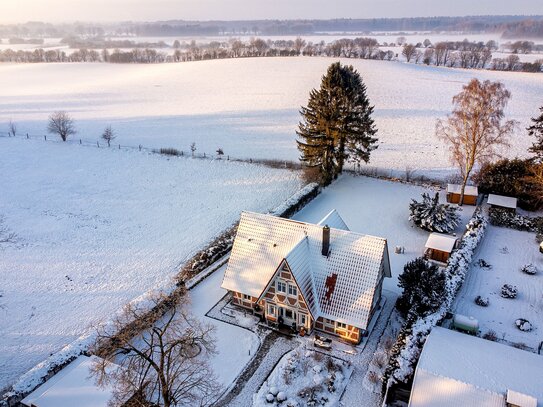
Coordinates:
455	54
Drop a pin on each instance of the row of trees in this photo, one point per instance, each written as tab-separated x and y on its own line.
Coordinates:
461	54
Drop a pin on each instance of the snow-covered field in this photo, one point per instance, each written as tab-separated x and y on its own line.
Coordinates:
507	251
249	107
378	208
97	228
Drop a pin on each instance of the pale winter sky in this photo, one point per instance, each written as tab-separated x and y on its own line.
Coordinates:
122	10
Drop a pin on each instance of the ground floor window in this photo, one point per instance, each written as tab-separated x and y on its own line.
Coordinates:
271	309
302	319
289	314
341	325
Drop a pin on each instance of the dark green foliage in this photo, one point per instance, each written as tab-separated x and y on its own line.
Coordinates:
511	178
336	125
423	286
432	216
536	130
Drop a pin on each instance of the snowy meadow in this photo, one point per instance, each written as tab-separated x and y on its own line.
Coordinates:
249	107
96	228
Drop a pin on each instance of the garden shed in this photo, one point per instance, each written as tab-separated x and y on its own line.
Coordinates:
470	194
502	202
439	247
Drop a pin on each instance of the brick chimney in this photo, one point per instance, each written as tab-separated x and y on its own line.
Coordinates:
325	240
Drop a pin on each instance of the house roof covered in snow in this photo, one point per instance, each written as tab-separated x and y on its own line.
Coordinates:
264	242
503	201
456	369
72	386
469	190
439	241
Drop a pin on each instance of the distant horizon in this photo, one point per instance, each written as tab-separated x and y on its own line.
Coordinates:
111	11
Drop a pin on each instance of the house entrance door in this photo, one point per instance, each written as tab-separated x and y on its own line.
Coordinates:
288	315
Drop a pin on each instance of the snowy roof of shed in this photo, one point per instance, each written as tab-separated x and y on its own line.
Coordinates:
469	190
456	369
72	386
503	201
263	242
439	241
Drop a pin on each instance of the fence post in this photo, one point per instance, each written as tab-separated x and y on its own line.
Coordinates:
204	155
45	137
181	152
119	146
80	142
140	147
97	144
227	158
26	135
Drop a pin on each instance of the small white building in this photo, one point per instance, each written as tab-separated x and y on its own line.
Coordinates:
439	247
503	202
470	194
73	386
456	369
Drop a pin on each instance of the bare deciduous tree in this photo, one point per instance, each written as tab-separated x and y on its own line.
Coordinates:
409	51
12	128
160	363
62	124
108	135
475	128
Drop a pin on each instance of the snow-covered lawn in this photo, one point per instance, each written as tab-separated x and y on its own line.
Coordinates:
378	208
234	345
305	377
97	228
507	251
249	106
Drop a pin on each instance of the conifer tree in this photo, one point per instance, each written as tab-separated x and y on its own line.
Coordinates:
336	125
432	216
536	130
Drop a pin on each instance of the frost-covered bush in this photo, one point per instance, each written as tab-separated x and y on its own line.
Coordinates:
523	324
482	263
508	219
482	301
432	216
509	291
281	396
529	269
490	335
423	285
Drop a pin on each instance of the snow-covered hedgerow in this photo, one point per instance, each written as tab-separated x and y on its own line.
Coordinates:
297	201
413	335
505	218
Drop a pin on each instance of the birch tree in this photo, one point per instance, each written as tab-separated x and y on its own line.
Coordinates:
476	129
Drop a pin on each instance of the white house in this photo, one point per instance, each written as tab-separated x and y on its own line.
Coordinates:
457	369
307	276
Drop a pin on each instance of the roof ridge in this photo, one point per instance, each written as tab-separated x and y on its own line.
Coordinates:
266	215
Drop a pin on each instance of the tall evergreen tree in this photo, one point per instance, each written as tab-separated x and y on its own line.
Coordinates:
536	130
336	125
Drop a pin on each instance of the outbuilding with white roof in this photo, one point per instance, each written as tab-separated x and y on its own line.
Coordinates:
471	194
439	247
504	202
72	386
307	276
457	369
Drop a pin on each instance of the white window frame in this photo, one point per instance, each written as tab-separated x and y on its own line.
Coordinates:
246	297
303	319
272	310
294	288
278	283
